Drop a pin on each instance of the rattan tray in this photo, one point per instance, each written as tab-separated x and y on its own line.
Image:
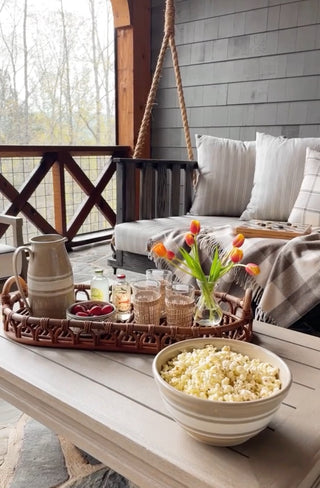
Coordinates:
116	336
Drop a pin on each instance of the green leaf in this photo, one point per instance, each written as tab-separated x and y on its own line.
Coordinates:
215	266
193	264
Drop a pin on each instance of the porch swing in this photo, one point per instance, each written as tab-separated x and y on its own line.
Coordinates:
154	188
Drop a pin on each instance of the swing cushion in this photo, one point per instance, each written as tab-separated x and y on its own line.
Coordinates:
226	171
279	172
306	209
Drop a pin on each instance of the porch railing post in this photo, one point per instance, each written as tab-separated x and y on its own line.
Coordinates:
59	196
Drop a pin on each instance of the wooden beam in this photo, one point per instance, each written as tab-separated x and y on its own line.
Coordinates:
133	68
59	197
10	151
121	13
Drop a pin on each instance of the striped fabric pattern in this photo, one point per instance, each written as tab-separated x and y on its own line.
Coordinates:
134	236
226	170
306	209
278	176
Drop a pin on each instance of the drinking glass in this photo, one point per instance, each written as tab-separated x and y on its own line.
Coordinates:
180	304
164	276
146	298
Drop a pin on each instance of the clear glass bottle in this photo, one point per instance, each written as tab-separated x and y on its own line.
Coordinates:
121	297
99	286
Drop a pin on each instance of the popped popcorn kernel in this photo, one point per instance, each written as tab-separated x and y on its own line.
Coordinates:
221	375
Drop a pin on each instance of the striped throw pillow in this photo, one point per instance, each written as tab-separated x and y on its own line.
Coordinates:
306	209
226	169
278	176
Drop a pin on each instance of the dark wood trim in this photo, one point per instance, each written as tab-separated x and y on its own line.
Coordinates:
163	191
133	68
130	261
29	151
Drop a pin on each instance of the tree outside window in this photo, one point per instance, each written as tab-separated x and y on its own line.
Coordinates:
57	72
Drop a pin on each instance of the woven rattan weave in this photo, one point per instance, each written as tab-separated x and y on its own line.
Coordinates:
115	336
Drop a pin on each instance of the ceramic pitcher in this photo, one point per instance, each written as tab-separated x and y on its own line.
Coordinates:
49	276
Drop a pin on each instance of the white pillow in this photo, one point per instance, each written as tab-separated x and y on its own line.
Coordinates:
278	176
226	169
306	209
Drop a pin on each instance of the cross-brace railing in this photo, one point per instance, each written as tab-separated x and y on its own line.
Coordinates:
58	160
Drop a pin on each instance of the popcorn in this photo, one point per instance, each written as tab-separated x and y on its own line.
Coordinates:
221	375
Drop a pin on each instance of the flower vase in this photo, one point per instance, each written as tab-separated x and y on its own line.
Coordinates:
208	312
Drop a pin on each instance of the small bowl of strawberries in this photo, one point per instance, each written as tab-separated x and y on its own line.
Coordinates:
92	311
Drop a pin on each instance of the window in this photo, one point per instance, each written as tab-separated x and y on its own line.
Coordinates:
57	72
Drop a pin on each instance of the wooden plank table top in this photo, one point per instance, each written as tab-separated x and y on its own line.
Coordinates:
108	404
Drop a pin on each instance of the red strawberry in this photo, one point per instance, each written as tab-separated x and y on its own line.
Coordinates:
78	308
106	309
95	310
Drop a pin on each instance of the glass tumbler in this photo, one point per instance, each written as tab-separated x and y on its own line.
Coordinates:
164	276
146	299
180	304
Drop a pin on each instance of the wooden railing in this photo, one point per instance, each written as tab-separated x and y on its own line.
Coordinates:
163	189
58	160
150	189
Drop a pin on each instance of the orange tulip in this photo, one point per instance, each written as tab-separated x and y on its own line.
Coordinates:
195	227
236	255
238	240
189	239
159	249
190	261
252	269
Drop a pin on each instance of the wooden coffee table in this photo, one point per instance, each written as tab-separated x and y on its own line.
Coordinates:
107	404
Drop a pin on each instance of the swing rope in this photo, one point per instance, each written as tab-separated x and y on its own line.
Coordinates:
168	40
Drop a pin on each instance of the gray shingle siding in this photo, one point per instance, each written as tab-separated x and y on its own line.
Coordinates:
246	66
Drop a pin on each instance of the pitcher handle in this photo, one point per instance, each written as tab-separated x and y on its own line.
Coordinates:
16	253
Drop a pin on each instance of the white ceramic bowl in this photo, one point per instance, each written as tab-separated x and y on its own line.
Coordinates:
220	423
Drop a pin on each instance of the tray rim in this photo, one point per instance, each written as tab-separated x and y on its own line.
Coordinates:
22	327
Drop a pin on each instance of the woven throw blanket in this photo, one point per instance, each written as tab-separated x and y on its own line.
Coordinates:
288	285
